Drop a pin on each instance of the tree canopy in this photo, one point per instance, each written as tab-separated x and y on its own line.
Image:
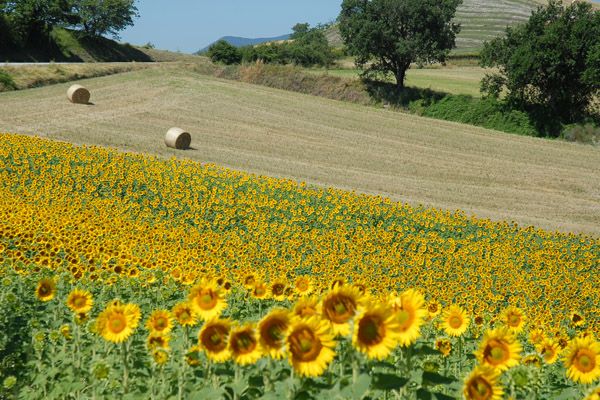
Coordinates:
549	66
386	36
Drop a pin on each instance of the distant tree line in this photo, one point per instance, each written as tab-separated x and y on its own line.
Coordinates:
25	22
307	47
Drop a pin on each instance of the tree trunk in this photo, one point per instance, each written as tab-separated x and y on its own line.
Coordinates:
400	74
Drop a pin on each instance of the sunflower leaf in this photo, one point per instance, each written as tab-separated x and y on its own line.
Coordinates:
388	381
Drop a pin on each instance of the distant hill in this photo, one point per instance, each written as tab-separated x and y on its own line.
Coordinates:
242	41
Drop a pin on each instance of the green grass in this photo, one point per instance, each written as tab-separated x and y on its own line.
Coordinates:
453	80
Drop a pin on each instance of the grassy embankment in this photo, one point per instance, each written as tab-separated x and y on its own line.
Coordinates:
323	142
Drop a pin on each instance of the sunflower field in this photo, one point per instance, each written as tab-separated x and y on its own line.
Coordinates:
125	276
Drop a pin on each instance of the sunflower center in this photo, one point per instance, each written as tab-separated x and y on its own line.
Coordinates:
577	318
371	331
302	285
260	291
585	360
79	302
243	343
184	315
278	289
45	290
432	308
207	299
455	322
480	389
340	309
496	352
273	332
214	338
304	345
405	318
117	323
160	323
514	320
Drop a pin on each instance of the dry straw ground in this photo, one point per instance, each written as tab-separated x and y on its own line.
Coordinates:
549	184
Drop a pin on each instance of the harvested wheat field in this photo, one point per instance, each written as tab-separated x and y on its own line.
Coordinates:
548	184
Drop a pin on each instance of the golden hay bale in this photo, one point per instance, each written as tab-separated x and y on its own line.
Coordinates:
177	138
78	94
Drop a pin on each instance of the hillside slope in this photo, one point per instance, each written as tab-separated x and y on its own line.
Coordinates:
238	41
549	184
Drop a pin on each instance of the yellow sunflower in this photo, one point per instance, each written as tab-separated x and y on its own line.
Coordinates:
409	313
277	290
184	314
536	336
306	307
482	384
339	307
499	349
582	360
160	321
271	332
513	318
207	299
577	319
376	332
549	350
160	356
157	340
249	281
444	346
433	309
46	289
532	360
260	290
244	345
455	321
192	356
310	345
213	339
118	321
80	301
303	285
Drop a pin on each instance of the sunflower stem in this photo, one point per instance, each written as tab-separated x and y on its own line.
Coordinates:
460	354
124	350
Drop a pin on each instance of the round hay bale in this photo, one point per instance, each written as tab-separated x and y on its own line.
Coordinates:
177	138
77	94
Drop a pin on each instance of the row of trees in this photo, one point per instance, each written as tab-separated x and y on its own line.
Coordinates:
307	47
24	22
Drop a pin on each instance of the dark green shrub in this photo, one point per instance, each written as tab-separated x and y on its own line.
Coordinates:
6	82
223	52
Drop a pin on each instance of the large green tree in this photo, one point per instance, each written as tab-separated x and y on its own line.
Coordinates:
386	36
549	66
101	17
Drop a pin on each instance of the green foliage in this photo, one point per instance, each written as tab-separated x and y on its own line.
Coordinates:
488	113
550	66
223	52
386	36
308	47
98	18
6	82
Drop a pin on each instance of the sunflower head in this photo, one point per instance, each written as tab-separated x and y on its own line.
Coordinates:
244	345
444	346
213	339
577	319
192	356
310	346
118	321
339	307
306	307
482	384
410	313
303	285
532	360
260	290
549	350
433	309
536	336
184	314
46	289
207	299
160	356
376	332
594	394
499	349
455	321
513	318
160	321
582	360
277	290
80	301
271	332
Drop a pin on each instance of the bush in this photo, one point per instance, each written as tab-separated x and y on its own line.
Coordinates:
582	133
6	82
488	113
223	52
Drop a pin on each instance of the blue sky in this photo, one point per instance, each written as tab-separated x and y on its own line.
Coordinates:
189	25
